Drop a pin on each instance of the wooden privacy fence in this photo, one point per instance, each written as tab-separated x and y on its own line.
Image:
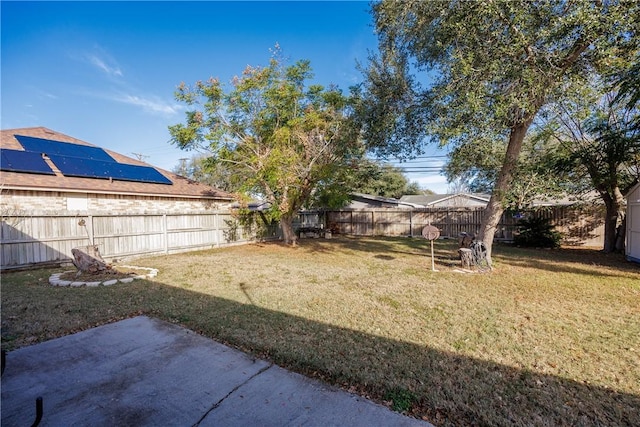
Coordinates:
38	239
49	238
579	226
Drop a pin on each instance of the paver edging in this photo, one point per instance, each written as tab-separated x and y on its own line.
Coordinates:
55	280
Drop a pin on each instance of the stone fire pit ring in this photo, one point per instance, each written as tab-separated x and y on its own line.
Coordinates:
55	279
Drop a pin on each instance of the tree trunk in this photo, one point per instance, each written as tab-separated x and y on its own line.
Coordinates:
614	204
493	212
289	235
621	236
87	259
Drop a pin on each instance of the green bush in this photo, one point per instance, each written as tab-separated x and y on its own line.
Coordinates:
537	233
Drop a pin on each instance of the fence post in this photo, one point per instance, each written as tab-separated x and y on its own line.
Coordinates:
411	222
351	222
90	230
165	232
216	227
373	223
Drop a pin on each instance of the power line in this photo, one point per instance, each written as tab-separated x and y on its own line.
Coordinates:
140	156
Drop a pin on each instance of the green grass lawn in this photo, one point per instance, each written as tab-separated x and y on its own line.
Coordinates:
547	338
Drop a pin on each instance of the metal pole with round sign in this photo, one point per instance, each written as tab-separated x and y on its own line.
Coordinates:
431	233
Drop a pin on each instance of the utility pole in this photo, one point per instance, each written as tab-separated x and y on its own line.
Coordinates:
183	166
140	157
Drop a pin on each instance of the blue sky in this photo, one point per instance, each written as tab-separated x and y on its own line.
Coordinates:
105	72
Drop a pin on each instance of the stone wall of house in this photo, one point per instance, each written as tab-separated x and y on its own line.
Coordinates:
17	202
28	202
150	204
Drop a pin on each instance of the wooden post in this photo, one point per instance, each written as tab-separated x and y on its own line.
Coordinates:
351	223
411	223
373	223
433	265
165	233
431	233
90	230
216	226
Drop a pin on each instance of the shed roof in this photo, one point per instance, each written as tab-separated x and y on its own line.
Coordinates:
181	186
631	192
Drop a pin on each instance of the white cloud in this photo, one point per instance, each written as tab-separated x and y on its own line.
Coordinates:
151	105
101	63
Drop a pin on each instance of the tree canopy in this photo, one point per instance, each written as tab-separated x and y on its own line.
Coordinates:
460	72
378	179
283	137
201	168
597	141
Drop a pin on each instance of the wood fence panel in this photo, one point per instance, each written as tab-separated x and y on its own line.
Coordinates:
340	220
191	231
391	223
125	235
582	226
37	239
362	223
29	240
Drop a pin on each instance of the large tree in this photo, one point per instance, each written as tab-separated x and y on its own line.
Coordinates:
598	140
478	164
362	175
281	137
378	179
459	71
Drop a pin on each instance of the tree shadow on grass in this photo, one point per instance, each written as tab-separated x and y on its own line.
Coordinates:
449	388
376	245
566	260
445	388
569	261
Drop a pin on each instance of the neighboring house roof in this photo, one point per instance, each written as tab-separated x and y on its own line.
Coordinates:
253	206
475	200
382	200
439	199
180	186
591	197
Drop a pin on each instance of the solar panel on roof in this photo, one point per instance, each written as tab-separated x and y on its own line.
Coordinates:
141	174
23	161
88	168
50	147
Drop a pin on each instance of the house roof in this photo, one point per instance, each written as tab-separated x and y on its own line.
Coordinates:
431	199
381	199
181	187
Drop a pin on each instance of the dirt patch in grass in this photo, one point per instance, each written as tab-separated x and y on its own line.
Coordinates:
115	272
548	338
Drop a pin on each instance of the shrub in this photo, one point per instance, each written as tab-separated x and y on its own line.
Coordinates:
537	233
